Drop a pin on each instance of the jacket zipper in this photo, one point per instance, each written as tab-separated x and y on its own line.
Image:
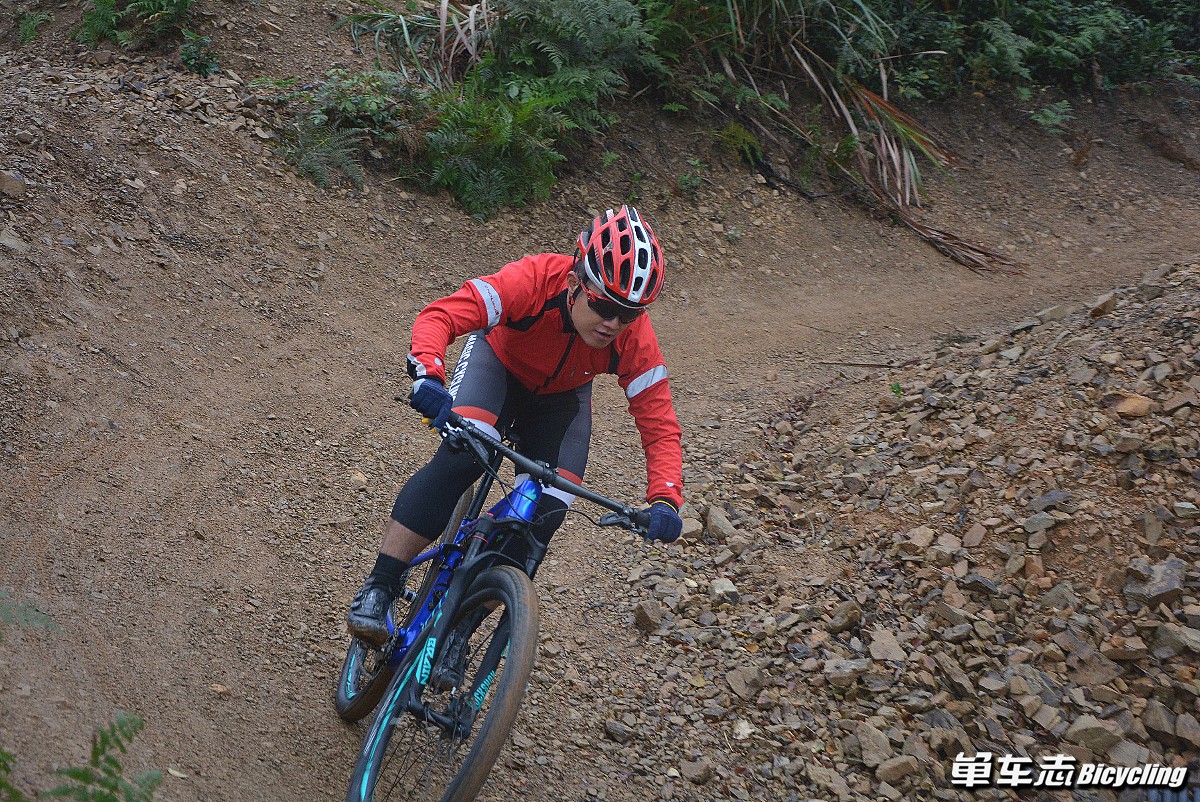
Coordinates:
561	362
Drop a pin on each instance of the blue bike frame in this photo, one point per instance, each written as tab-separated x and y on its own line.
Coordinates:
518	505
414	648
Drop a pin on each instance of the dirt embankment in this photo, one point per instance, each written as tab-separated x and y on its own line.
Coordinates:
198	352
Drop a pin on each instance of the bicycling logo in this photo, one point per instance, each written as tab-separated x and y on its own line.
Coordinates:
1059	771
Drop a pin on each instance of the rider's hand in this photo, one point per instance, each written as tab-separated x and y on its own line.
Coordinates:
429	397
665	523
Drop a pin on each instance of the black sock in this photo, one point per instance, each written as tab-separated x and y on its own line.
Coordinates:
388	573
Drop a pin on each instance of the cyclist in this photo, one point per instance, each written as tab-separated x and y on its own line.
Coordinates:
540	329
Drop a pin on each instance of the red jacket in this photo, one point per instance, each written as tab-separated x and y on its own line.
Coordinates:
523	308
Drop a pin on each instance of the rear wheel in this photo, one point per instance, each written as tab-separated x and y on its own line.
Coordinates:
469	704
366	671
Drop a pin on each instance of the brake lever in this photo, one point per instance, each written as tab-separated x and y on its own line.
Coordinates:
458	440
617	519
637	523
455	440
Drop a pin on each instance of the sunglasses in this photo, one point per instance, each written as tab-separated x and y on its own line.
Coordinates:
607	309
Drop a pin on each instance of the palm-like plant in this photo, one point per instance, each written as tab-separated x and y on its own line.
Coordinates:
833	45
436	44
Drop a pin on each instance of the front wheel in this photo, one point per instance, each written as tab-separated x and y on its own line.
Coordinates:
468	705
366	670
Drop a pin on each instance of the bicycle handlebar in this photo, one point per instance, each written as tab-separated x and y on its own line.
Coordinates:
459	430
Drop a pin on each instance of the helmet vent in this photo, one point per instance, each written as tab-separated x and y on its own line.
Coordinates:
621	256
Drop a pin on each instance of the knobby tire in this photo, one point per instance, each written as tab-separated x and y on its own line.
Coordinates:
484	666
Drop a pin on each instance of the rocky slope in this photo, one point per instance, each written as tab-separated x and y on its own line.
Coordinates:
1014	537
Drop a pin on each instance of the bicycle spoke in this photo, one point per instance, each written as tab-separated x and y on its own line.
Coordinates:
430	748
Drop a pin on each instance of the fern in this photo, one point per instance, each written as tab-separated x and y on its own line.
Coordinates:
8	791
102	778
129	22
99	24
530	74
157	18
25	614
1001	53
27	24
735	138
1053	118
1098	43
491	152
601	34
317	150
570	55
382	106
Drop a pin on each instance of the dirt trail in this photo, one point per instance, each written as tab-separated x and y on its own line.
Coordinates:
198	434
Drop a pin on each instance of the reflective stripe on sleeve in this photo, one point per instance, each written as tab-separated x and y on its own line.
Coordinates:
647	379
491	301
416	370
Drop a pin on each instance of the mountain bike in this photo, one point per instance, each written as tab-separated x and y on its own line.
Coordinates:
450	679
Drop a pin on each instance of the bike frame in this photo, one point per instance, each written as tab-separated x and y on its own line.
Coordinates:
415	648
514	510
457	562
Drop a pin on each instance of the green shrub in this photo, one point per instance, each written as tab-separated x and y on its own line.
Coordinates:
131	22
24	614
100	23
197	56
494	151
1000	53
1053	118
576	53
393	114
484	99
27	24
1066	43
485	107
928	48
317	151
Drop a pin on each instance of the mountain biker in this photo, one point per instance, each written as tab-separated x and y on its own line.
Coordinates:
540	329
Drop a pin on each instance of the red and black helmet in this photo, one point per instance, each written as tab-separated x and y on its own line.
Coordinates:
620	256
